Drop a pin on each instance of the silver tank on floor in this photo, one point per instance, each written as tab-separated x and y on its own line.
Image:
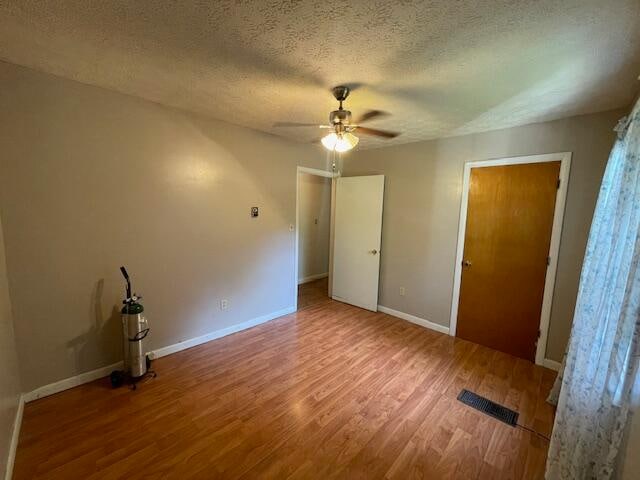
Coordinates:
134	329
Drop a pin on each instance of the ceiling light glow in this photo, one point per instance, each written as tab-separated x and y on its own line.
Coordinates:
340	142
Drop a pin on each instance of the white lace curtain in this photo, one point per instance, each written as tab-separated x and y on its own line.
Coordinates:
599	377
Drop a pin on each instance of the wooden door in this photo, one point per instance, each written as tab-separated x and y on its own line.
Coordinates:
507	237
356	243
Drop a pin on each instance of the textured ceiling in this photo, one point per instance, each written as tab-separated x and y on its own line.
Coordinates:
441	67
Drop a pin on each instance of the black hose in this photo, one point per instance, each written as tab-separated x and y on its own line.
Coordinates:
126	277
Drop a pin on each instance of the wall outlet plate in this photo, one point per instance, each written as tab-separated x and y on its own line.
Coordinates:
254	211
224	304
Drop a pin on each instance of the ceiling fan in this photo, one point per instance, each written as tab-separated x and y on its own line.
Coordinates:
342	138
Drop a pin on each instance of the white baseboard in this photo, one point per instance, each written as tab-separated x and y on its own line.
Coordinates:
413	319
551	364
161	352
71	382
311	278
15	436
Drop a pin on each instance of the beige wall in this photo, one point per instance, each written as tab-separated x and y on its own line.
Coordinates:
91	180
9	376
422	205
314	213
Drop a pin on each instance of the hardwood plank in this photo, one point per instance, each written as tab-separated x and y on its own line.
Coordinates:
331	391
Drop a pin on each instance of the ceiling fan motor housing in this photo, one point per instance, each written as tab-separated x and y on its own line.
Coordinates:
340	116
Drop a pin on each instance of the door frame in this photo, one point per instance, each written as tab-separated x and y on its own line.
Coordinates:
319	173
565	164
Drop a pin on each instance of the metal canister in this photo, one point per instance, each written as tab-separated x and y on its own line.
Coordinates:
134	329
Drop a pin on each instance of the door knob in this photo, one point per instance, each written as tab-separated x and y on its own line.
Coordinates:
466	263
373	252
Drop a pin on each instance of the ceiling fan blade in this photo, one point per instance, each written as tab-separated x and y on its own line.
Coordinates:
295	124
370	115
377	133
353	86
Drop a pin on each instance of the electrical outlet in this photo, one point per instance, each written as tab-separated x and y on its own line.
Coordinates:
402	291
224	304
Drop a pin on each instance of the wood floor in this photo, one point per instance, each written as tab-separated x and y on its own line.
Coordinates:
332	391
313	293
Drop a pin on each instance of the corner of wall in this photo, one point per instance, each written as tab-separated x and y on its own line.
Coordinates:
11	401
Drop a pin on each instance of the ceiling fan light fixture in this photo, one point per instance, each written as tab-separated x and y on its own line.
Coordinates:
346	142
340	143
329	142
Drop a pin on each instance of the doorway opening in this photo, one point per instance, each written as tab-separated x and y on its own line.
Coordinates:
508	243
313	236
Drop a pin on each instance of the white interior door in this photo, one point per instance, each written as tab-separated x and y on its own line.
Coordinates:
356	247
